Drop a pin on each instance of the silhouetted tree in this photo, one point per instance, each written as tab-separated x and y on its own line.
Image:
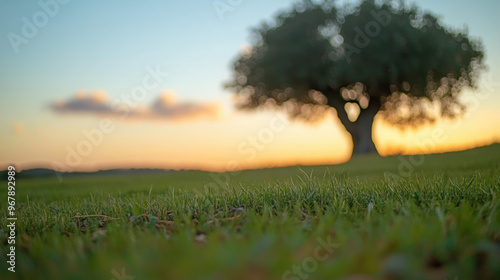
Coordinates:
390	59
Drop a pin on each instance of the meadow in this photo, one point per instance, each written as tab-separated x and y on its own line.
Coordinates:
399	217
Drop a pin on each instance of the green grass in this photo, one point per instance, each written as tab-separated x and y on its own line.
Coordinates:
439	221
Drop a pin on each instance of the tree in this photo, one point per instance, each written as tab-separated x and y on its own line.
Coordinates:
387	59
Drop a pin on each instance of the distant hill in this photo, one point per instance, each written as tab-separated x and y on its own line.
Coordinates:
47	173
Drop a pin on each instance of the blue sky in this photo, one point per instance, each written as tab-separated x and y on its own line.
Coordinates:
107	45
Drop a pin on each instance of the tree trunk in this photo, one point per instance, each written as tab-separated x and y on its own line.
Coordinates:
361	133
361	129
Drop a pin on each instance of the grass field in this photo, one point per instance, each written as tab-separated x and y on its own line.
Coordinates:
431	217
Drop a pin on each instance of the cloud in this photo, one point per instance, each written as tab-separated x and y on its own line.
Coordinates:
95	102
166	107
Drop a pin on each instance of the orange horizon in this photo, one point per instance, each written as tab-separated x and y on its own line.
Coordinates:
263	165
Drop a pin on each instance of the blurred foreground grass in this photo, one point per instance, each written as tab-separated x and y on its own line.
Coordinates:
431	217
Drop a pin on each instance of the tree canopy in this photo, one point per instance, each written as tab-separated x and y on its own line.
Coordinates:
390	59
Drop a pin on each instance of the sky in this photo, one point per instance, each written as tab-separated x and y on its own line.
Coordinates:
164	65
